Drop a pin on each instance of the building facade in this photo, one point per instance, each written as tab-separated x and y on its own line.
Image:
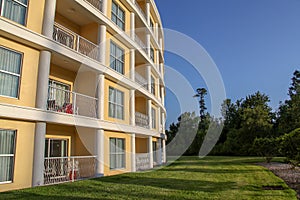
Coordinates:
81	90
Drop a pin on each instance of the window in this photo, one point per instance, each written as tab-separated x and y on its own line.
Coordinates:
152	54
7	154
151	24
56	147
153	116
10	70
15	10
117	153
58	94
152	85
116	103
118	15
117	58
154	149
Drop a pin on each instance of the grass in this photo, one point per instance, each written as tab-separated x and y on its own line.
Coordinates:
187	178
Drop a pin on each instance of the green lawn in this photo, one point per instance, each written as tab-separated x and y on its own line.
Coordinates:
188	178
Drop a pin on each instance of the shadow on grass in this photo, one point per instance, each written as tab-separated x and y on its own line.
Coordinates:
172	183
211	171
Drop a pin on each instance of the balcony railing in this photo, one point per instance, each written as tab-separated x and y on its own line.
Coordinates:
74	41
96	3
68	169
141	120
140	10
140	43
60	100
142	161
140	80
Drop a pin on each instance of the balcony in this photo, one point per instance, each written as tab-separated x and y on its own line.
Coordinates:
140	43
64	101
139	79
141	120
74	41
142	161
68	169
140	10
96	3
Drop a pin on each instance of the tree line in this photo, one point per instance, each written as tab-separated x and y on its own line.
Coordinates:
250	127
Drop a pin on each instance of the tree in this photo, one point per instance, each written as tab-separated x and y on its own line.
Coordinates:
201	92
288	114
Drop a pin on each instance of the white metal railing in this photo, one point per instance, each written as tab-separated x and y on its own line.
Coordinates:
68	169
142	161
140	80
141	120
96	3
140	43
140	10
74	41
60	100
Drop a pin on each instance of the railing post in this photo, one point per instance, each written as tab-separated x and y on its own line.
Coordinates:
73	169
74	104
78	42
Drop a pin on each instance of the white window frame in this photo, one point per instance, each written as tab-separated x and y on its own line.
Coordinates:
17	2
10	155
116	59
113	103
14	74
153	117
153	90
122	153
116	15
152	53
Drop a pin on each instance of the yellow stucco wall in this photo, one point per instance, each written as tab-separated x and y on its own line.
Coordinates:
35	13
141	105
66	23
127	13
141	145
110	38
23	153
27	92
108	84
127	137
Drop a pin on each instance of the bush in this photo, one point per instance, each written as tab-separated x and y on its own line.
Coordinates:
289	145
265	147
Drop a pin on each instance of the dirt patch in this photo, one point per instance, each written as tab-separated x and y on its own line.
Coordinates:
287	172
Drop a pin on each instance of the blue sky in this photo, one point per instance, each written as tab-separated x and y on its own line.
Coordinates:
254	43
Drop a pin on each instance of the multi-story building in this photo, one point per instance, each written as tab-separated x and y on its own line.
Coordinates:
81	90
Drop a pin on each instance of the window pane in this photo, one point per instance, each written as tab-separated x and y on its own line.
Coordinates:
6	168
114	8
112	110
7	150
14	11
10	61
9	85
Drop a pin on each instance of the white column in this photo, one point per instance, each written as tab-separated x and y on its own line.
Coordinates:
48	20
132	107
163	122
148	13
133	163
156	31
104	7
149	106
148	43
150	150
159	119
164	151
100	95
99	152
163	96
132	25
148	77
161	68
159	152
39	150
102	44
132	64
